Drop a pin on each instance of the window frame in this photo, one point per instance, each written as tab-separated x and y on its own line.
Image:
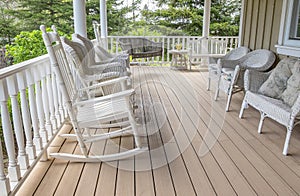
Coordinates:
287	45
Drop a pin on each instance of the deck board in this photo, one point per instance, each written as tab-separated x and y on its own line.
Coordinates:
181	121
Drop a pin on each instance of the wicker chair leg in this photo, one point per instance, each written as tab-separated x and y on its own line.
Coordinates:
229	97
217	88
262	118
244	105
208	83
287	140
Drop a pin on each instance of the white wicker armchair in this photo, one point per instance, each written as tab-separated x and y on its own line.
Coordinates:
284	107
234	54
232	71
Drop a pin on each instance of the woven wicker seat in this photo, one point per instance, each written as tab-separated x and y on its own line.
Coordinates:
232	71
274	107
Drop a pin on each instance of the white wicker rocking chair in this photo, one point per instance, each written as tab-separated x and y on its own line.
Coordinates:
90	112
232	71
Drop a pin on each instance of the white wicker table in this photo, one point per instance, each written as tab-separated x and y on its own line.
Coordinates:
179	59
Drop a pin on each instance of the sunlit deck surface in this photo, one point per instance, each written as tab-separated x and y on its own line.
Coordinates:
240	161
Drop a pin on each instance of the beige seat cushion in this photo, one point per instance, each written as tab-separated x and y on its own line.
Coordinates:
276	84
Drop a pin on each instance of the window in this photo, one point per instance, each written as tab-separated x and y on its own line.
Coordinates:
289	35
295	22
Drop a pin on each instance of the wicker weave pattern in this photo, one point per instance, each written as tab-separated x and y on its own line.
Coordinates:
270	107
259	60
141	47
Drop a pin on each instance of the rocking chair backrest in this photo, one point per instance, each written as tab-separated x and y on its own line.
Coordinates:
59	64
102	53
88	44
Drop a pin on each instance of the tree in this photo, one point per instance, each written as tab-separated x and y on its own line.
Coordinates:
225	17
187	15
118	17
8	30
30	14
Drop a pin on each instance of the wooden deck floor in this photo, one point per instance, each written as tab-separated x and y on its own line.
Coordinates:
186	123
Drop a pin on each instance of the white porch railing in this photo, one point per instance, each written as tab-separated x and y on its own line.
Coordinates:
30	91
169	43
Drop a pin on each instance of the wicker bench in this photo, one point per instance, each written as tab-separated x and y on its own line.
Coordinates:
141	47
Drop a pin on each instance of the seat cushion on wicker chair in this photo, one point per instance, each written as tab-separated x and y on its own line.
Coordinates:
268	105
276	84
292	90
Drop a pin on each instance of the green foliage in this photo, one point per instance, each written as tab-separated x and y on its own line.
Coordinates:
7	27
117	20
26	45
187	16
30	14
225	18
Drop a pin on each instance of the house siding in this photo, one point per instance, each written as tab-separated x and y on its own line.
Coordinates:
261	21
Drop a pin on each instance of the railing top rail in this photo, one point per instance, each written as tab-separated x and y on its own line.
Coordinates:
165	36
13	69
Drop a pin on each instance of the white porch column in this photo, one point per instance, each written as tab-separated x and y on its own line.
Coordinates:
241	23
79	17
103	22
206	18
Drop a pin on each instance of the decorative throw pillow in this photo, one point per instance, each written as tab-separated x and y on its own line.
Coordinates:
292	90
277	81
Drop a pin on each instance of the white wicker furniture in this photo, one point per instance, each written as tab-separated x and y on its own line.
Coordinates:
99	55
79	60
92	112
276	108
234	54
202	49
232	71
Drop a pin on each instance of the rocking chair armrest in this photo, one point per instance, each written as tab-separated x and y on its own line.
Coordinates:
104	64
106	83
109	97
254	79
99	76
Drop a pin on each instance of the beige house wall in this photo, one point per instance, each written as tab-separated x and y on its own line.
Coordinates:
261	21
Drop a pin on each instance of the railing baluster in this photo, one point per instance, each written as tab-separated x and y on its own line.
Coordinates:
37	140
39	104
30	148
45	101
51	99
55	99
13	168
60	106
17	122
4	181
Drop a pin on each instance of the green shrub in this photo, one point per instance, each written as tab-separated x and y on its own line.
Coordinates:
26	45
